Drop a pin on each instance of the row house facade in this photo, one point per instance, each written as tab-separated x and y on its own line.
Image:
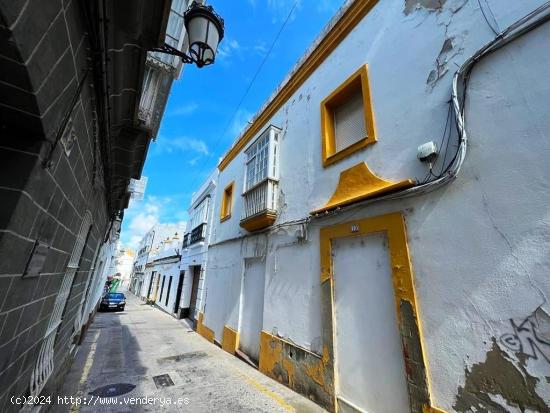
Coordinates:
379	239
163	276
170	264
195	247
159	242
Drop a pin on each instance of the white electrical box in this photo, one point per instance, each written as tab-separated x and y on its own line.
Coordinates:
427	152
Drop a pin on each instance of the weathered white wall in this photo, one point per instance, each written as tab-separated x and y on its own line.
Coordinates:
197	253
480	247
170	269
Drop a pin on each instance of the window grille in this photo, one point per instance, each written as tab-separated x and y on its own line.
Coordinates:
349	122
45	362
86	293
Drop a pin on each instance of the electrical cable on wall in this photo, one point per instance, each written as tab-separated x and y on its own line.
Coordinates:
460	86
457	103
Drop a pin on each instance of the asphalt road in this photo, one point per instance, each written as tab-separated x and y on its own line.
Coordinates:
143	360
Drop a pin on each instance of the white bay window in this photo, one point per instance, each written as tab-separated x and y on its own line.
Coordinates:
261	181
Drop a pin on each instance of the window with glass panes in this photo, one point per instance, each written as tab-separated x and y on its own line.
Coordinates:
258	162
199	214
174	31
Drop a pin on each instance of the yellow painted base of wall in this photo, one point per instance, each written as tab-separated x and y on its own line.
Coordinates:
205	331
230	340
303	371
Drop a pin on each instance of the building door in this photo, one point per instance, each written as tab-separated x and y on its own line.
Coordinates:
368	351
150	289
252	307
168	291
157	283
162	288
178	293
193	309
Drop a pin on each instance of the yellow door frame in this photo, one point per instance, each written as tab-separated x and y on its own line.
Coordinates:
405	300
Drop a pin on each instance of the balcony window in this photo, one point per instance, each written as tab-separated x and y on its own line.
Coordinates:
198	222
198	234
261	181
149	95
174	32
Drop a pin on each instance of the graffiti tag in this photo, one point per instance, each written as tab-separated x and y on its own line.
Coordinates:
530	337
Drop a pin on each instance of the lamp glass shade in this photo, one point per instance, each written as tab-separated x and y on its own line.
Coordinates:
204	30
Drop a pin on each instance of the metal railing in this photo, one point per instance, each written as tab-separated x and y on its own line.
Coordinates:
260	198
186	240
198	234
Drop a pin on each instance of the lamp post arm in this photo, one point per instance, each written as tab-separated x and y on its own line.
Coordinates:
166	48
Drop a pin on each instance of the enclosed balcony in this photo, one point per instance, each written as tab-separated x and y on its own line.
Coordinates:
260	205
261	181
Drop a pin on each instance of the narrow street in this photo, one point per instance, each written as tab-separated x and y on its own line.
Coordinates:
123	352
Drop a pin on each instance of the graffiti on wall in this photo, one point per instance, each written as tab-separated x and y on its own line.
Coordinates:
530	337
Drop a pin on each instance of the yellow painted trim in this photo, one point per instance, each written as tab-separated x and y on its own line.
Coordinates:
402	277
359	81
430	409
225	209
269	393
359	183
259	221
353	15
203	330
230	340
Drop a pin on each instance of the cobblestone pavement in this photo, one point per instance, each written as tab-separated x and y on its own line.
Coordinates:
143	360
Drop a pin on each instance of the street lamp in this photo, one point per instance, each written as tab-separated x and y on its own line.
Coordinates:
204	30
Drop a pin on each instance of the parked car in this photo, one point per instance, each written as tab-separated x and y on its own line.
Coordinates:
113	301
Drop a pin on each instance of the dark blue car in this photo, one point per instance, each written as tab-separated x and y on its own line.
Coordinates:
113	301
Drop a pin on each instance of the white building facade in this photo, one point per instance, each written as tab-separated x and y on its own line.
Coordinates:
161	243
195	247
163	275
366	279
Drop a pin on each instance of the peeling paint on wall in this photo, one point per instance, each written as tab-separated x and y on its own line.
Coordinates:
298	368
498	376
414	360
431	5
448	51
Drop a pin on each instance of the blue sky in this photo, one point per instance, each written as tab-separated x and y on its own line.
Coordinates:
202	102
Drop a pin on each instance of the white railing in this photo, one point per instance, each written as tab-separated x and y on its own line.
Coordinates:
260	198
145	115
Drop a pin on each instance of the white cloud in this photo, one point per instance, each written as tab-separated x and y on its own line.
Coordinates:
280	9
240	121
180	144
329	6
260	48
228	48
142	216
184	110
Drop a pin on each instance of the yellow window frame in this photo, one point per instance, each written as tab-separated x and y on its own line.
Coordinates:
359	81
227	202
